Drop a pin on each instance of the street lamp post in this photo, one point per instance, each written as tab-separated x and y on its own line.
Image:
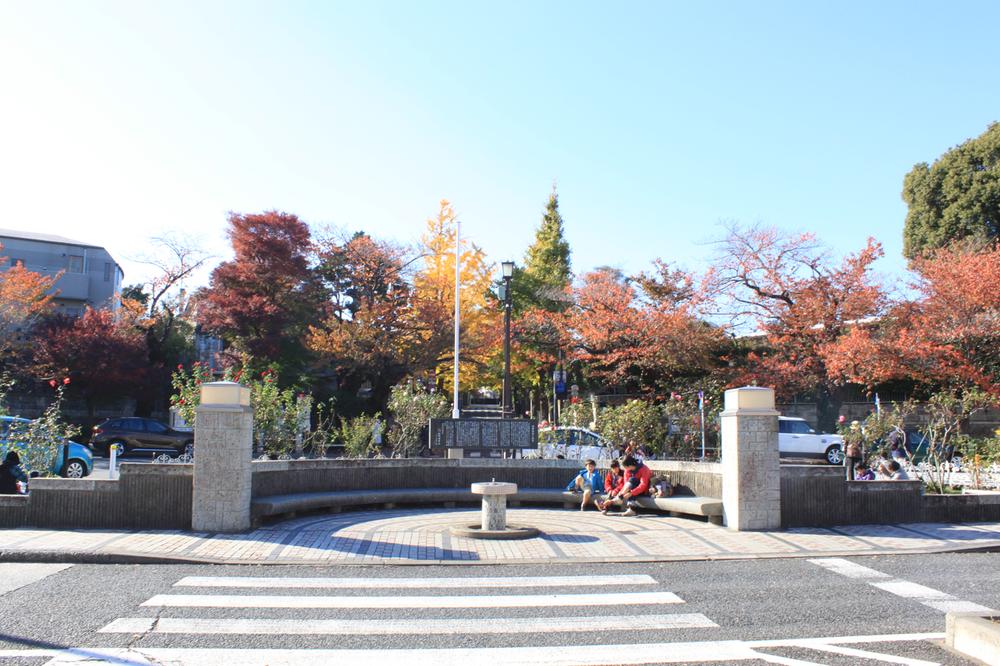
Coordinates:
508	274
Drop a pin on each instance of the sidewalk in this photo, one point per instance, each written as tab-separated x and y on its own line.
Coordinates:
421	536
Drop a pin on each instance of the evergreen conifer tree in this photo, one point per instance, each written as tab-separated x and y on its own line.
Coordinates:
546	272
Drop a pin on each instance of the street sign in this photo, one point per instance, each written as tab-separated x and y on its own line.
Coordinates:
483	434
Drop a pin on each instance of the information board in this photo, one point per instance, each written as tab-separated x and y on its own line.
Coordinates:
483	434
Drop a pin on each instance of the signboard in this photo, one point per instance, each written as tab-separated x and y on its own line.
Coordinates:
484	434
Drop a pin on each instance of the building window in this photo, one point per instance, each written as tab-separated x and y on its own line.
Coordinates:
107	271
75	263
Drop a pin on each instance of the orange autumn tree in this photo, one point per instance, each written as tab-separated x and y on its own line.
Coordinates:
434	299
370	334
642	333
788	288
24	297
948	335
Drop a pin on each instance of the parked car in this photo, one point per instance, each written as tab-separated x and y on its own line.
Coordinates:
135	433
797	440
573	442
73	461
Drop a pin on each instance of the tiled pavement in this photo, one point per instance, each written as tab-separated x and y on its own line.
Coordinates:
423	536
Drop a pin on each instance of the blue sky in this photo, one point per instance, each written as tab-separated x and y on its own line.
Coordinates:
657	120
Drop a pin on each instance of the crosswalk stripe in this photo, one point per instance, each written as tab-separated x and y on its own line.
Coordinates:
928	596
173	625
411	583
579	655
491	601
848	569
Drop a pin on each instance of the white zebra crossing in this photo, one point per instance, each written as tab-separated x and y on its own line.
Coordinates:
497	582
412	602
579	652
142	625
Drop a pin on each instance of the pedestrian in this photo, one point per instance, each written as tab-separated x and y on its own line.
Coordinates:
613	481
895	472
897	453
588	481
635	484
853	453
862	473
10	473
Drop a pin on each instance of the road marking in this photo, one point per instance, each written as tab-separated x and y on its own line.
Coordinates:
585	655
908	590
487	601
936	599
15	575
861	654
848	568
410	583
172	625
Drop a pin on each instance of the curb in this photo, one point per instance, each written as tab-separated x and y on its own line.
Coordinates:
974	635
124	557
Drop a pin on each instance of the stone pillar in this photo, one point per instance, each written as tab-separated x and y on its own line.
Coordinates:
751	477
223	445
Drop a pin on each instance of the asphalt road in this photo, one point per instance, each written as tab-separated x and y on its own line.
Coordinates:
695	603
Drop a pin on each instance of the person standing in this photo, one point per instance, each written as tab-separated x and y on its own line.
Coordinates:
853	453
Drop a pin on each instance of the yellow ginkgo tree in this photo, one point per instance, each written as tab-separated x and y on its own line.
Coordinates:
434	305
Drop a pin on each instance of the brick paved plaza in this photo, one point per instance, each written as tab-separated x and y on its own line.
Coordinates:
422	536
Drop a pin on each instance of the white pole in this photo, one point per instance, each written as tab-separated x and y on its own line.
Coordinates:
112	461
458	277
701	411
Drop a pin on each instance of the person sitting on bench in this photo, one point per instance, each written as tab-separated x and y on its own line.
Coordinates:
588	481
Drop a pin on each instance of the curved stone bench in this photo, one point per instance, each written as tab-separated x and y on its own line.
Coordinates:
335	500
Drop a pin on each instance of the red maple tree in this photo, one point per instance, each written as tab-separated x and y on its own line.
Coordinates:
802	303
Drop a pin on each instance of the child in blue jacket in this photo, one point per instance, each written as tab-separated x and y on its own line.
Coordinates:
589	481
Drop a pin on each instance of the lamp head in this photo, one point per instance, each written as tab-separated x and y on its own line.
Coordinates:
508	269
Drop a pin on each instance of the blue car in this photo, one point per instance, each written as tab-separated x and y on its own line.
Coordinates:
73	461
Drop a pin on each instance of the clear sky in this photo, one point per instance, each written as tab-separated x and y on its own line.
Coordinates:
657	120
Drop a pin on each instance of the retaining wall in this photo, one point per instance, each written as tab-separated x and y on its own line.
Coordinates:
152	496
144	497
814	496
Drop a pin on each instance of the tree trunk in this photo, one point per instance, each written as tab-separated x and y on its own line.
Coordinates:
828	403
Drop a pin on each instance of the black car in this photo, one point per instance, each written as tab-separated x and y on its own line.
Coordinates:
134	433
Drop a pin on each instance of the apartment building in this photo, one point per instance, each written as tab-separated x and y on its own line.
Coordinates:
90	275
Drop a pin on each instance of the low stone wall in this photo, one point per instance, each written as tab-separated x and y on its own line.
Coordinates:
814	496
274	477
143	497
702	479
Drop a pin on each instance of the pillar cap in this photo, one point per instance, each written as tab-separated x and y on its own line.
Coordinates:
225	394
750	399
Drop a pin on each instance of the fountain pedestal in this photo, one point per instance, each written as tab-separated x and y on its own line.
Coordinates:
494	514
494	503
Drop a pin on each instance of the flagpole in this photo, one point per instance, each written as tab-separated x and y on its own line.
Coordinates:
455	413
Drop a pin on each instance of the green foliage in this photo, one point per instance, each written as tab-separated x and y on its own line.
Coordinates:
358	435
546	272
873	434
186	383
38	441
412	409
684	417
945	411
280	416
637	421
325	433
957	198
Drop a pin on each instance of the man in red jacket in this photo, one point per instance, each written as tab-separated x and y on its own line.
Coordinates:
636	484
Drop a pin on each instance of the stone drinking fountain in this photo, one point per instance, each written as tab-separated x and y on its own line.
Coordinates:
494	515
